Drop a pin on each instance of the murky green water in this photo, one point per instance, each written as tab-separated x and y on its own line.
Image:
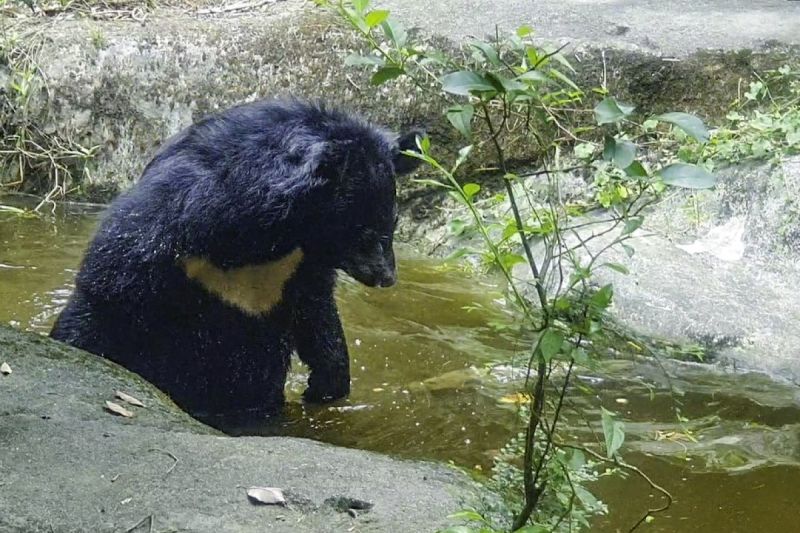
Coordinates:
428	372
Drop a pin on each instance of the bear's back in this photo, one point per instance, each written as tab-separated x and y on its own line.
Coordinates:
281	128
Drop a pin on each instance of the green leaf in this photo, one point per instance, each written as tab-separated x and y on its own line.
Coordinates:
532	54
504	85
558	56
385	74
359	60
622	269
467	514
360	5
608	148
609	111
628	250
424	143
524	30
632	224
460	116
613	431
563	78
550	344
458	197
465	82
374	18
624	153
395	32
458	226
561	304
636	170
356	18
580	356
418	155
533	76
602	298
687	176
649	124
689	123
510	230
584	150
619	152
471	189
458	529
487	51
509	260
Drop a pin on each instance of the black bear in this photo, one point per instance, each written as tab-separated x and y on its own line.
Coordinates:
222	259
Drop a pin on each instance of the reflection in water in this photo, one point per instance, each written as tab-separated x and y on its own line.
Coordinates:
427	378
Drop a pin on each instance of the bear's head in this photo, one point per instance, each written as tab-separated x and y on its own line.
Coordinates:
357	230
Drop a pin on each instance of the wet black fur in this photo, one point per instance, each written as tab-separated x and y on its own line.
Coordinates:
244	187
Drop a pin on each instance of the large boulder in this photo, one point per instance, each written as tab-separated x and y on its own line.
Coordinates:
68	464
123	86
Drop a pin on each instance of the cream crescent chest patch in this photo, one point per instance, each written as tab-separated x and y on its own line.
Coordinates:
254	289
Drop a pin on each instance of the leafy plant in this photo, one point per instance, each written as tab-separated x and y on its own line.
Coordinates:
509	96
763	123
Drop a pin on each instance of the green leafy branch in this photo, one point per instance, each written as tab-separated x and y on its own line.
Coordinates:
509	95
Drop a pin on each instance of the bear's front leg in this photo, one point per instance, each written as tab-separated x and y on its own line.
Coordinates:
319	339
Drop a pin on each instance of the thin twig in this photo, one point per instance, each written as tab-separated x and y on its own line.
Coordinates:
174	459
515	208
549	55
621	464
140	522
242	6
547	171
568	511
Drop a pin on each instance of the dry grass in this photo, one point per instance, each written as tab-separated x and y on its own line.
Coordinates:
120	9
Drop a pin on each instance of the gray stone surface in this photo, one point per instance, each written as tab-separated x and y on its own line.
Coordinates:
146	82
125	86
726	281
66	465
745	311
676	27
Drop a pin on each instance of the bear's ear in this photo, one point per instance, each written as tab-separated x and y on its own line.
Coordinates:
403	164
314	157
326	160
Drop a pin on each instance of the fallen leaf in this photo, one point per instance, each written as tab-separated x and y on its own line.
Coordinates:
5	369
266	496
518	398
118	409
129	399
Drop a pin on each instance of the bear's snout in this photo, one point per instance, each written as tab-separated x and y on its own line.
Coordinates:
388	280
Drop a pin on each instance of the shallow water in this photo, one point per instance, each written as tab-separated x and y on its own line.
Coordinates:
428	368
